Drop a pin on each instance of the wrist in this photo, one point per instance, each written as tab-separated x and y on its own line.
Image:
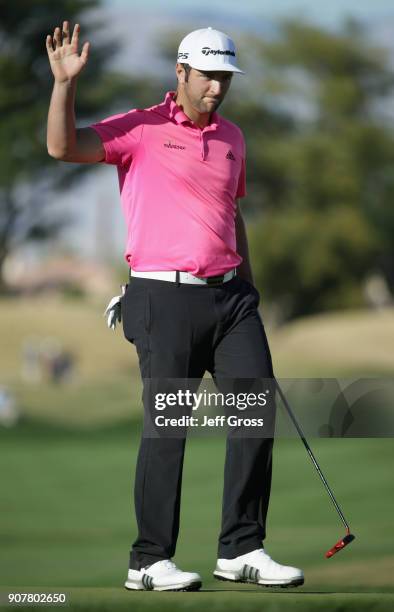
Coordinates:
65	83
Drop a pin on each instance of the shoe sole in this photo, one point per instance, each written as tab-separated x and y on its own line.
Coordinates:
193	586
286	585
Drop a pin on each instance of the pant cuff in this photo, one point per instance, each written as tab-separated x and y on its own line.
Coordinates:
230	552
140	561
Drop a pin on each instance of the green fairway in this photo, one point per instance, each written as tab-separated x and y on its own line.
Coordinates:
67	520
67	471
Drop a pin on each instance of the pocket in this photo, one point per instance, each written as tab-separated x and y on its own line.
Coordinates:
136	312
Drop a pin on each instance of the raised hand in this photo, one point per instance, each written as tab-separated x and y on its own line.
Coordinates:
65	61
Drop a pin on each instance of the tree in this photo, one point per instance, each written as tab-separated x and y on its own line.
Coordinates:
29	178
322	173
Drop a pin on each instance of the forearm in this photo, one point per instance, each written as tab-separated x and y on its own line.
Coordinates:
244	270
61	132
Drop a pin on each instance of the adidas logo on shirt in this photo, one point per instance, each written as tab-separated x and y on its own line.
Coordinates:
230	155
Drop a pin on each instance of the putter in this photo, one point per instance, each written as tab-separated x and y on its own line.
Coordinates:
348	537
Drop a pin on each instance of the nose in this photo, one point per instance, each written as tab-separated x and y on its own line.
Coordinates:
216	88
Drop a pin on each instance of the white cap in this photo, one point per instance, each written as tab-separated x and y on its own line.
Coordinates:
208	49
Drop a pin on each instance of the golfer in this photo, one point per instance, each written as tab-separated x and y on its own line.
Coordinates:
190	304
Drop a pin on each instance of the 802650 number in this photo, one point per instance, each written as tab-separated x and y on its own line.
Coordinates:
37	598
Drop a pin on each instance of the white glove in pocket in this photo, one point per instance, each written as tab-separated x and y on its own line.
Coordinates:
113	312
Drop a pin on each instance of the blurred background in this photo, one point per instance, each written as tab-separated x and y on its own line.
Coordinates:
316	106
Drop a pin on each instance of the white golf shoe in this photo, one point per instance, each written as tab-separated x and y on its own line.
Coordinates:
162	576
258	568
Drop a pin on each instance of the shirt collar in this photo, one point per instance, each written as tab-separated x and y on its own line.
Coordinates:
171	109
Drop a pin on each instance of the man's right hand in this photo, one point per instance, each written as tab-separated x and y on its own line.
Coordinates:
66	63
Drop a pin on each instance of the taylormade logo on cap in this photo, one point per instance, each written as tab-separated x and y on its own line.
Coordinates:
208	49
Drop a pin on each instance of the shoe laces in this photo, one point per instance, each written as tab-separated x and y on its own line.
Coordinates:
264	555
270	562
169	564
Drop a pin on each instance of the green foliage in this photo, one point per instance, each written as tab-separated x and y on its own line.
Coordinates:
26	84
313	259
344	71
320	182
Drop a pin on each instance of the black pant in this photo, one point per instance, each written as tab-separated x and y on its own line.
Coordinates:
183	330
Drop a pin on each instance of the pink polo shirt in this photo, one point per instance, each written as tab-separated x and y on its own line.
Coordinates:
178	185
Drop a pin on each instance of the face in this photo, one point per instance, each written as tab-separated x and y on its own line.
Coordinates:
205	90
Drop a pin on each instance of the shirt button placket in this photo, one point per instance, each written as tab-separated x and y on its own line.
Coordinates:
202	145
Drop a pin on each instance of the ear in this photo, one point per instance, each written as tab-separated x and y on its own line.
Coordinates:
180	73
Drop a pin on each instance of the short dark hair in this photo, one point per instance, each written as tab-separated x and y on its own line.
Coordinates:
187	69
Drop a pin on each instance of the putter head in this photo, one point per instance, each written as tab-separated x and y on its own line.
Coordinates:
340	544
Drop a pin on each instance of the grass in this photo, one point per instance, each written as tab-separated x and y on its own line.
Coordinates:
336	344
330	345
67	519
108	600
107	387
67	469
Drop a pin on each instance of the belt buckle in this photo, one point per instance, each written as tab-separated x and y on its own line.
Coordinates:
213	280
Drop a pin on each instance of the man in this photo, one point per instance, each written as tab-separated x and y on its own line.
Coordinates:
190	305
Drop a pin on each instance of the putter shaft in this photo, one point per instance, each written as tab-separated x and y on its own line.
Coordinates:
311	455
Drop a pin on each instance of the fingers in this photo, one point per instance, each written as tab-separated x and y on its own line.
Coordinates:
49	46
75	36
66	33
62	36
85	52
57	38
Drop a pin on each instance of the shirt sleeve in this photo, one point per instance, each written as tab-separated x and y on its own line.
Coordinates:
120	135
241	189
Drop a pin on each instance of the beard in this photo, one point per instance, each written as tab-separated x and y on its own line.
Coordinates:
200	104
205	106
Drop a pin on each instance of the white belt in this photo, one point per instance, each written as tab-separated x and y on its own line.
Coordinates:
185	277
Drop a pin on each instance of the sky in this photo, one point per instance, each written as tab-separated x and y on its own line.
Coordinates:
328	11
137	24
